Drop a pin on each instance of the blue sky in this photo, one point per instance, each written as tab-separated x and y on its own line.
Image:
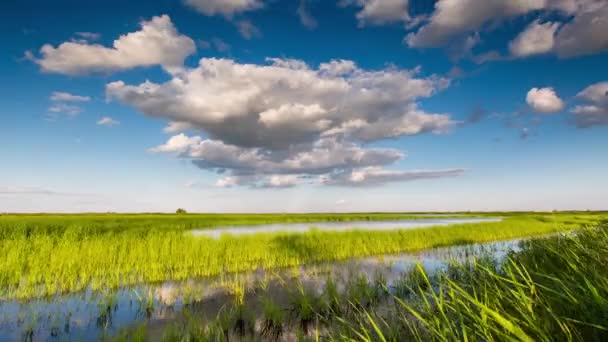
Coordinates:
285	106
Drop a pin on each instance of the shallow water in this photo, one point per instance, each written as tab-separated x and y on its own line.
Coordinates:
93	315
336	226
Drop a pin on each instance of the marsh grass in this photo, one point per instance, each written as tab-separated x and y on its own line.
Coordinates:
551	289
554	289
54	254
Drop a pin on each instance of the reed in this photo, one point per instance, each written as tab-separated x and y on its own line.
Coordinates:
53	257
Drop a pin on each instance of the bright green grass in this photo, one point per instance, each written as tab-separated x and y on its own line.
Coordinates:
45	255
554	289
12	225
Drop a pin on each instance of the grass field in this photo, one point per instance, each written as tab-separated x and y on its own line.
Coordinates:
45	255
553	289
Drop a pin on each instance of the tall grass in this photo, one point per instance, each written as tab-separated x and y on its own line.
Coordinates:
554	289
50	258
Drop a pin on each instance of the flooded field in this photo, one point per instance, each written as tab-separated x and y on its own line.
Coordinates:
337	226
92	315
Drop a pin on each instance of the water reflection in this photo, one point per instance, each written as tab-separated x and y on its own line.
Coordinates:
337	226
94	315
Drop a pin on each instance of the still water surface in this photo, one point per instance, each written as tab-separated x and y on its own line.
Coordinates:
337	226
93	315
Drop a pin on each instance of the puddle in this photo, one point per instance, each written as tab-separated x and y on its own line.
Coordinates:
336	226
93	315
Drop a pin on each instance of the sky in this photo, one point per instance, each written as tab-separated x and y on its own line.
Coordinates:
303	105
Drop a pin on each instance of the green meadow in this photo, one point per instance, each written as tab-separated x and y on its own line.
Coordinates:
45	255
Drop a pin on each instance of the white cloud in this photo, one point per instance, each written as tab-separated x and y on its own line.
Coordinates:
259	182
176	127
595	111
226	8
453	20
457	18
378	12
67	97
305	17
335	162
235	103
281	181
544	100
587	33
107	121
177	143
286	118
372	176
62	108
89	35
248	30
157	43
536	39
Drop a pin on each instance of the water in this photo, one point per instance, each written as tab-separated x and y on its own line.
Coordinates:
336	226
92	315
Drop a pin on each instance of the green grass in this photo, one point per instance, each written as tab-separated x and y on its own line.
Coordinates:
44	255
553	289
12	225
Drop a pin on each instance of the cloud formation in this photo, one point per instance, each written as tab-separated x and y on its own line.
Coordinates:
371	176
247	104
378	12
157	43
285	117
458	18
580	26
226	8
107	121
595	110
305	17
544	100
67	97
587	33
247	29
536	39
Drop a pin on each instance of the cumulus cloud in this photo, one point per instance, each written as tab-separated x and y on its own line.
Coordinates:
241	104
226	8
378	12
108	121
587	33
544	100
285	118
157	43
536	39
595	110
176	127
457	18
177	143
371	176
454	20
67	97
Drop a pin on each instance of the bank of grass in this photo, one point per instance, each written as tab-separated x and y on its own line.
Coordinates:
53	224
552	289
52	258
